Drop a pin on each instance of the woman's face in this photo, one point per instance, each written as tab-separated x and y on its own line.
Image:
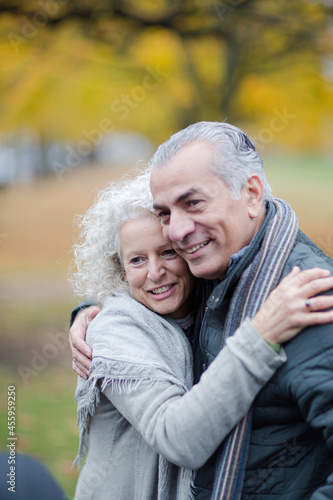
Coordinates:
157	276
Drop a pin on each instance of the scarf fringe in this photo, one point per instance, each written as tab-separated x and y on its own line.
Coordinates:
188	477
117	375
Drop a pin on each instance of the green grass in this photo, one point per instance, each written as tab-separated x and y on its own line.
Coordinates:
46	420
305	181
35	358
299	173
19	318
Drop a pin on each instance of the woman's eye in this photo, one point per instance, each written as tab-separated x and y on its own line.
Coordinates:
136	260
170	252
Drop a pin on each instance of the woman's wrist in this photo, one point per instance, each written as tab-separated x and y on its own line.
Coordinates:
266	332
276	347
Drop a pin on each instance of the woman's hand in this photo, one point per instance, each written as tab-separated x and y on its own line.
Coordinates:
81	352
294	305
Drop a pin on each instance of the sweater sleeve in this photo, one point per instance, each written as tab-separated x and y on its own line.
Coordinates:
187	427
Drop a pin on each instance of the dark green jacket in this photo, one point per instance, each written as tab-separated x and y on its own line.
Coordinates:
291	447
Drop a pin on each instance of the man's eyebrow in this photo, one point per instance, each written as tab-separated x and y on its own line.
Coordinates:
183	196
158	207
180	198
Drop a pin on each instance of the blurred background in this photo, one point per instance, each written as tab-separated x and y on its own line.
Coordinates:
88	89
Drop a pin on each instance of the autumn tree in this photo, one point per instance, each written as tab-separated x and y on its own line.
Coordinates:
213	47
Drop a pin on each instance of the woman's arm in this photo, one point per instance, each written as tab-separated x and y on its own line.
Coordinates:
267	324
187	427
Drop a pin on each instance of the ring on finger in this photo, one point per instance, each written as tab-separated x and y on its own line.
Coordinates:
307	303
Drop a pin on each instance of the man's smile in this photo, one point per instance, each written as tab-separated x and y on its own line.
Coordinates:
196	247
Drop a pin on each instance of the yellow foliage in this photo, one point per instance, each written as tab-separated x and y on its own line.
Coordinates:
157	46
303	98
62	81
208	56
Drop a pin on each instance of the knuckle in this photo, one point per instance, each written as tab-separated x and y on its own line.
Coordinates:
290	310
298	323
309	274
305	273
315	287
317	319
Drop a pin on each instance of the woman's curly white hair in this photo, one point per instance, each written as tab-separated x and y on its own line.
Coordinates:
98	270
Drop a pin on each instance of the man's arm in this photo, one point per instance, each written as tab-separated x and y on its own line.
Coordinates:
311	378
81	316
80	307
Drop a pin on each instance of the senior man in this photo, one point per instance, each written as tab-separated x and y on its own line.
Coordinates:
215	204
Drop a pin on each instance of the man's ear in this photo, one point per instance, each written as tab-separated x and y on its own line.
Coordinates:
254	192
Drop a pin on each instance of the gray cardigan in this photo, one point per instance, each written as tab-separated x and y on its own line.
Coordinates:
145	429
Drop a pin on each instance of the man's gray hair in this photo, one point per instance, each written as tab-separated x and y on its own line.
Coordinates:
98	268
235	157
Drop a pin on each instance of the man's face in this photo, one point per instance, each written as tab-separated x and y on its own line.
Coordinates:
198	213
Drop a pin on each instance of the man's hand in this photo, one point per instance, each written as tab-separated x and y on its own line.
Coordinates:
81	352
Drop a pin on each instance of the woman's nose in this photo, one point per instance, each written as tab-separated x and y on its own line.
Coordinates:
155	270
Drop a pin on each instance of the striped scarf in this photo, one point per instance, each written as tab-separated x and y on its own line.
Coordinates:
254	286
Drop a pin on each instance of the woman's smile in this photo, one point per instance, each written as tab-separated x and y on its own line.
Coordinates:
157	276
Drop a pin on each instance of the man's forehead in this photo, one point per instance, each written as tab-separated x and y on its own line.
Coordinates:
178	184
196	154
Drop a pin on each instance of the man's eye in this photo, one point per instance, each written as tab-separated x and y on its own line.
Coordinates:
163	217
162	214
193	203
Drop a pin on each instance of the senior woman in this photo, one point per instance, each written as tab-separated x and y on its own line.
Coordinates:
143	424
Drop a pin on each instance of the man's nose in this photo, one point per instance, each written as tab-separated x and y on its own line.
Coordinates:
179	227
156	270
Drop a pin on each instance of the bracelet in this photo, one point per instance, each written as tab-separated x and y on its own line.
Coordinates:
275	347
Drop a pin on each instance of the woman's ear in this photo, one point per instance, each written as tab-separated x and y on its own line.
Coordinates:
119	267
